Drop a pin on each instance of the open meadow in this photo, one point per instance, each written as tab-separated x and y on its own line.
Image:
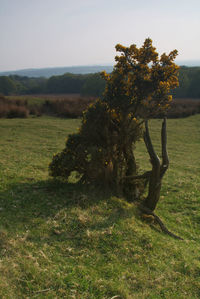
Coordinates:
60	240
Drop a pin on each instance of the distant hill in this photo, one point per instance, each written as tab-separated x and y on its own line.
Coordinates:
189	63
87	69
56	71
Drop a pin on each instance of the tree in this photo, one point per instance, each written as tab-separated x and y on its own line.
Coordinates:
67	83
94	85
102	152
7	85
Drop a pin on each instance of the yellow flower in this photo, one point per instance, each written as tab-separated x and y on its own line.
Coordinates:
170	98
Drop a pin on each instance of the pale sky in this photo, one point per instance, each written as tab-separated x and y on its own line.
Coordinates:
50	33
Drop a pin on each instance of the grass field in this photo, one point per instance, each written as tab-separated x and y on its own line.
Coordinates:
60	241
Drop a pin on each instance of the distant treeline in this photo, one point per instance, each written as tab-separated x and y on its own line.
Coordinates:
189	83
88	84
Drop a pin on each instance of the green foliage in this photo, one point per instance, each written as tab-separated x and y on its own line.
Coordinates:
189	83
137	89
95	150
67	83
94	85
7	85
89	84
73	158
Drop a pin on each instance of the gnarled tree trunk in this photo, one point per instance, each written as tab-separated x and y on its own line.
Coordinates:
156	175
158	169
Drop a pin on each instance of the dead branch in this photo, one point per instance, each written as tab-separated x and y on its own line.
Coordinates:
140	176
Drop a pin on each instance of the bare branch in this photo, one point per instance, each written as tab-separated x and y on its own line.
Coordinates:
141	176
165	159
147	139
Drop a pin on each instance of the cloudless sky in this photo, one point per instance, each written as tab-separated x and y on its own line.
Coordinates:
49	33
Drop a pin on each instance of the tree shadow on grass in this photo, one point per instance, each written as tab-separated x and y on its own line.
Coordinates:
59	223
47	210
44	198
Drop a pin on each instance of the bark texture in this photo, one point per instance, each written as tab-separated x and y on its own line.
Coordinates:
158	168
155	176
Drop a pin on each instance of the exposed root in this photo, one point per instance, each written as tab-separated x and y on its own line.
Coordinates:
159	221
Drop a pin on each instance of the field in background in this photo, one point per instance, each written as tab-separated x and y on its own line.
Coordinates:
72	106
61	241
63	105
41	98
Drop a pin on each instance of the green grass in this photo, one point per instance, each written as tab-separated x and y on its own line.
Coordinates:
60	241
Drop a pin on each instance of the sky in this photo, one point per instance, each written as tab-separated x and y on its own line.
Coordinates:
53	33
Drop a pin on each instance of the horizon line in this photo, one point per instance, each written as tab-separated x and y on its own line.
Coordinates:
195	62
